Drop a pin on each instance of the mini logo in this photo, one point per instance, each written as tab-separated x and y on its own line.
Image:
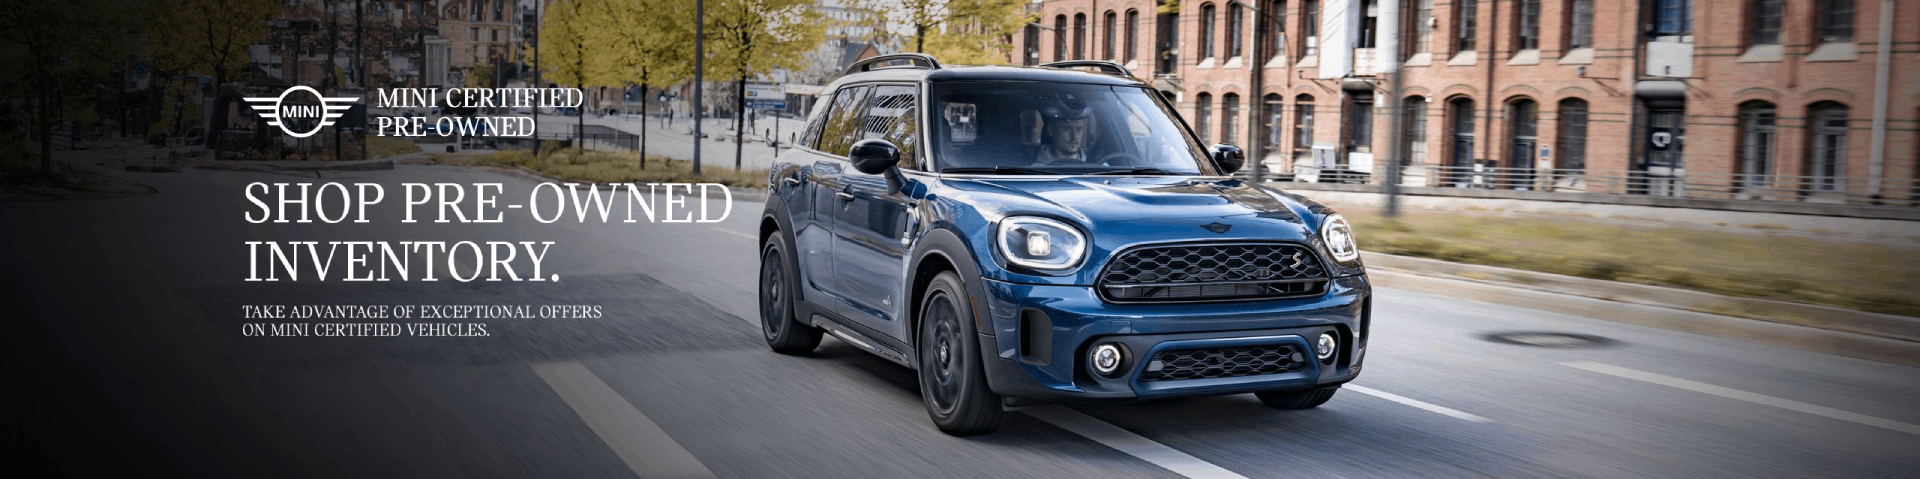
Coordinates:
1217	227
281	114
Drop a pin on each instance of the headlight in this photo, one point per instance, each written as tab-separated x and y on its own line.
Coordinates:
1041	243
1339	238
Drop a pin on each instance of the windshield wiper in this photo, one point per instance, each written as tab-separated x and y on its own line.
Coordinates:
1134	171
1004	170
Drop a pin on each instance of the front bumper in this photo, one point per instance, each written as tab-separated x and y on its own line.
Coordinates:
1041	335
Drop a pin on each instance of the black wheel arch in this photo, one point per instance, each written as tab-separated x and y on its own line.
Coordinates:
941	249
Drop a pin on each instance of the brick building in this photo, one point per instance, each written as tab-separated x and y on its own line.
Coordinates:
479	32
1797	100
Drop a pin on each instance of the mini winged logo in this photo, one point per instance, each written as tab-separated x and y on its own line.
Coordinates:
1217	227
279	113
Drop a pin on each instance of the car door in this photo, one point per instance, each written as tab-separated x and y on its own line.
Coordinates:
824	187
872	220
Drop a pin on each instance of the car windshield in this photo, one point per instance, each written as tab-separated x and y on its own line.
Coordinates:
1058	128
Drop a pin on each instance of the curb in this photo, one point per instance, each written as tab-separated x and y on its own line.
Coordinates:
1643	305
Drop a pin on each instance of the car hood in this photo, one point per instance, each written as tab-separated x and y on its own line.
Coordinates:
1179	206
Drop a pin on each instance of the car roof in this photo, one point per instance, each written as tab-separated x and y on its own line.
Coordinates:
962	73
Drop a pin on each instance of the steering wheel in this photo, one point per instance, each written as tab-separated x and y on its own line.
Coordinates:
1107	160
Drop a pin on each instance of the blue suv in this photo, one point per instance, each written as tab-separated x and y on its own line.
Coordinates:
1021	235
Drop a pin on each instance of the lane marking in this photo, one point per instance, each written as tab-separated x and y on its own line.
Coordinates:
1755	398
1430	407
640	443
1127	442
735	233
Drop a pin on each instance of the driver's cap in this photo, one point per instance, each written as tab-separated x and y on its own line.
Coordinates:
1064	106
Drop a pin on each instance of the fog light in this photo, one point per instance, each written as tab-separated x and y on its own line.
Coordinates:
1106	359
1326	346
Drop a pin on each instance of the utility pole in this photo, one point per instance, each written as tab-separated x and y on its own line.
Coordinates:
1258	62
1391	10
333	48
538	22
699	77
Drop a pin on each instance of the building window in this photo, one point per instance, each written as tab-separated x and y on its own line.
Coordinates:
1828	161
1673	17
1033	46
1133	34
1206	31
1360	125
473	33
1303	125
1573	136
1271	109
1757	132
1106	39
1231	104
1414	137
1060	38
1523	117
1310	27
1464	25
1203	116
1529	31
1080	36
1836	20
1580	25
1233	29
1765	23
1422	26
1462	121
1277	13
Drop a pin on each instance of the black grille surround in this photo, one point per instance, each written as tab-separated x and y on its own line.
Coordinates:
1212	272
1223	363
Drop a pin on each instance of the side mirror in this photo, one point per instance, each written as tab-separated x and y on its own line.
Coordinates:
1228	157
877	157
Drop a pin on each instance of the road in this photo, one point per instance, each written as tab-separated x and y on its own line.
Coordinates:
125	325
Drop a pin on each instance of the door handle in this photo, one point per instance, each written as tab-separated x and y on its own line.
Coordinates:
844	196
790	180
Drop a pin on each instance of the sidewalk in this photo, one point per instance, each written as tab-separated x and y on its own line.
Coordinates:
677	142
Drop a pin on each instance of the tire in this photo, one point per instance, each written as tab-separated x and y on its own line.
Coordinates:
953	381
784	333
1307	399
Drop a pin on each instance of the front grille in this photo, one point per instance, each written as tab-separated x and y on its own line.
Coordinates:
1213	272
1223	363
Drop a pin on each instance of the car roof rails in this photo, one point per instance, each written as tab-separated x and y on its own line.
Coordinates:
1106	66
920	60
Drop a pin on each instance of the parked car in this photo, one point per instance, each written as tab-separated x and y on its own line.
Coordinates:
1022	235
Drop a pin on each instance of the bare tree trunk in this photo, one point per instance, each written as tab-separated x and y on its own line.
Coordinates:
643	125
46	124
740	121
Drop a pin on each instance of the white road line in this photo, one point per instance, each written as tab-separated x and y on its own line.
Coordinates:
1435	408
1755	398
735	233
1127	442
646	449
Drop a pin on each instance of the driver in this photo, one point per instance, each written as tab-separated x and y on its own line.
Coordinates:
1068	124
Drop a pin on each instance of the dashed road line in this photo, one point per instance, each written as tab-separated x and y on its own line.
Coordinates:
1730	393
1430	407
735	233
640	443
1127	442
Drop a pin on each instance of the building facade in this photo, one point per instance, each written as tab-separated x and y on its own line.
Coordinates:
1786	100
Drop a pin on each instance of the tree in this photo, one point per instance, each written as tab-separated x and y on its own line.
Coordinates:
976	32
59	49
651	43
210	37
566	32
751	37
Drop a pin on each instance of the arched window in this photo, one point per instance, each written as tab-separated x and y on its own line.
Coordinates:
1206	31
1234	14
1756	144
1827	154
1059	38
1133	35
1230	103
1303	125
1413	113
1271	109
1572	138
1106	37
1460	117
1203	116
1080	36
1032	56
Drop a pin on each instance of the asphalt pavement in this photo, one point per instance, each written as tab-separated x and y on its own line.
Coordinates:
124	319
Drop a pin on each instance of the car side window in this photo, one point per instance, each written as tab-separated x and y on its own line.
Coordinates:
843	123
891	115
815	121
